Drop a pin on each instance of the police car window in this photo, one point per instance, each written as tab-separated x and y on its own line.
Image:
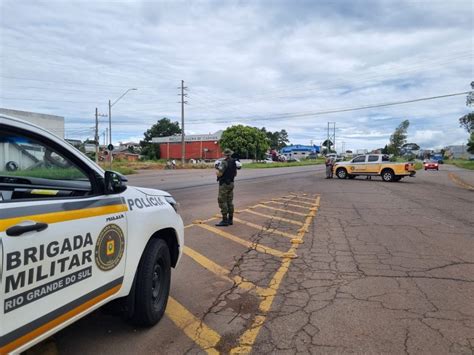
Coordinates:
359	160
373	158
24	161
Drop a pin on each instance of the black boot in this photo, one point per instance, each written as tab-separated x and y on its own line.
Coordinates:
224	222
230	221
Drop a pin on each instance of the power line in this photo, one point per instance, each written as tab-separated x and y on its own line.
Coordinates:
339	110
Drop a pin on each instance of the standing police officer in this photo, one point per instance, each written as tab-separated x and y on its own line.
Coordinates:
226	172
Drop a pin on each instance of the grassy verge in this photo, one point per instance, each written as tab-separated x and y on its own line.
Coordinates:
465	164
283	164
127	168
418	165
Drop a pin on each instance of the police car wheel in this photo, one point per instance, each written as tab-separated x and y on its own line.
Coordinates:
341	173
152	284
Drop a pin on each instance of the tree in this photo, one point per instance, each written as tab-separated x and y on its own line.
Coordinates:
411	146
249	142
470	144
327	144
467	121
398	138
277	139
385	149
162	128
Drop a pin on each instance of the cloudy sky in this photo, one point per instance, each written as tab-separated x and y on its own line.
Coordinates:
261	63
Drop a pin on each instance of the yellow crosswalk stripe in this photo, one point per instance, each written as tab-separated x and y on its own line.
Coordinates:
193	327
305	204
219	270
302	197
248	338
275	218
256	246
269	230
287	204
282	210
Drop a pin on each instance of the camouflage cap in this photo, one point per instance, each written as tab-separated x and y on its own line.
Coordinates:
228	152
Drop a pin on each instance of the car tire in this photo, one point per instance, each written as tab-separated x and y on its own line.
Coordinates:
341	173
426	169
388	175
152	284
437	169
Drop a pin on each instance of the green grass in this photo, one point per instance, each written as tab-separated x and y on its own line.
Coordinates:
283	164
465	164
122	169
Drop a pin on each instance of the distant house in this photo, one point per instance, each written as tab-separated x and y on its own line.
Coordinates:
74	142
131	146
457	152
123	153
299	151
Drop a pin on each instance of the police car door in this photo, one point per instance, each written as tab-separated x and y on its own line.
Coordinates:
359	164
61	242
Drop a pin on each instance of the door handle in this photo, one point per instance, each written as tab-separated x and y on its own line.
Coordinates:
16	231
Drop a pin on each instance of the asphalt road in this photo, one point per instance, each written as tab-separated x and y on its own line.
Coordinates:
311	266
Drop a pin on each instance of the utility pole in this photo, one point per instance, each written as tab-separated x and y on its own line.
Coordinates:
110	134
183	144
96	136
331	136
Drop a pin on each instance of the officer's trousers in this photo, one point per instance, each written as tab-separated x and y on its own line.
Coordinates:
226	198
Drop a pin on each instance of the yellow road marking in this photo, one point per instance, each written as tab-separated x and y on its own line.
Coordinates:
219	270
248	338
288	204
302	203
276	218
270	230
460	182
282	210
256	246
303	198
195	329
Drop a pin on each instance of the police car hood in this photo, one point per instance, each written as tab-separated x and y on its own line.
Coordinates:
150	192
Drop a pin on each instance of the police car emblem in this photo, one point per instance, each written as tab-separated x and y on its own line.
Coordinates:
109	247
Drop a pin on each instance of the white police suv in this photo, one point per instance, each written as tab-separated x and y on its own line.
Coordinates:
73	237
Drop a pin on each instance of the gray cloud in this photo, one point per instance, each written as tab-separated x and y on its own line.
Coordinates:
246	62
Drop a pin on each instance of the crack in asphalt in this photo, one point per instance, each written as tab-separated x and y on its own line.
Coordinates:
359	286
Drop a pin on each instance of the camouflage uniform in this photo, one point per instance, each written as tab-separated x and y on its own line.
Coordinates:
226	193
227	170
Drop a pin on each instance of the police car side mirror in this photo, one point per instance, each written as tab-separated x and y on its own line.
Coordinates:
114	182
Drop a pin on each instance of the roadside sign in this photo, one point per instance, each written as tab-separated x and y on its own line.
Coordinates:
110	147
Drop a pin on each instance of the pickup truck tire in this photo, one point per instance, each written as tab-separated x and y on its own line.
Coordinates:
388	175
341	173
152	284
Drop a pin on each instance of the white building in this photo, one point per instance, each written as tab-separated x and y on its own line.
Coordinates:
52	123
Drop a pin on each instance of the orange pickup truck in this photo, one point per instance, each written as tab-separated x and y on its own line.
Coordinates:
374	165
